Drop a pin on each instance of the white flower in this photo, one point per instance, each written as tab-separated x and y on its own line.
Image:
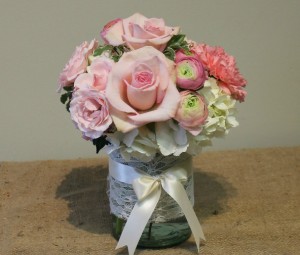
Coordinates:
221	109
171	138
139	143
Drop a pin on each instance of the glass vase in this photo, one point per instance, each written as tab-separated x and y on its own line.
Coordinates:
167	226
157	235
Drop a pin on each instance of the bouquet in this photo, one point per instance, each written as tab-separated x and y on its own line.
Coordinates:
152	98
149	89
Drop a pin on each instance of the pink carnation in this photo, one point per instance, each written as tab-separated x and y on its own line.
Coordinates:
223	67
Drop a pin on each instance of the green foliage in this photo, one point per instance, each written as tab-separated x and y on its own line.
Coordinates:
170	53
115	52
102	49
100	143
177	42
66	97
69	88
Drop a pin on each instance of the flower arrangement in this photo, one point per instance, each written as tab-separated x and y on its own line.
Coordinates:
149	89
150	96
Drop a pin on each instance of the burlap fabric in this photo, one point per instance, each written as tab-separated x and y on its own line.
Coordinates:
248	202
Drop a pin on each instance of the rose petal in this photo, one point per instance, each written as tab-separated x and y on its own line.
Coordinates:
84	80
139	32
164	111
142	99
121	120
112	32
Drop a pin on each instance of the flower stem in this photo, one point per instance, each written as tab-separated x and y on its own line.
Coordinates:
119	226
149	231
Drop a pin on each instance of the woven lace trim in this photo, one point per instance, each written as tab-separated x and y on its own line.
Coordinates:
122	196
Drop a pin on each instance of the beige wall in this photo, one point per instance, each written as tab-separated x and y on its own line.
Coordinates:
38	36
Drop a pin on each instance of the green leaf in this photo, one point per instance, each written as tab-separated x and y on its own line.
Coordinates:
116	58
64	98
176	40
100	142
118	50
69	88
102	49
68	105
187	51
169	53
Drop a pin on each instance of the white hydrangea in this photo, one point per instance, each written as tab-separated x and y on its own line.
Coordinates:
221	107
139	143
171	138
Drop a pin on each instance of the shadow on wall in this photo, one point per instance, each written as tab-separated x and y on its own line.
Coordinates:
85	191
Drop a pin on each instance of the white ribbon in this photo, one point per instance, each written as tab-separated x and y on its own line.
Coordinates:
148	191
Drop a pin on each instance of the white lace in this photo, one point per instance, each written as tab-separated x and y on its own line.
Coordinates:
122	196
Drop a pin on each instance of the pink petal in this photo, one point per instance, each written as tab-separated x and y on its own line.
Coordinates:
139	32
84	80
164	111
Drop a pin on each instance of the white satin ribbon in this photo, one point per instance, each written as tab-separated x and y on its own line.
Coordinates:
148	191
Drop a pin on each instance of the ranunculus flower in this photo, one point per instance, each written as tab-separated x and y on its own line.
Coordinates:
190	71
140	31
141	89
192	112
77	64
223	67
112	32
89	111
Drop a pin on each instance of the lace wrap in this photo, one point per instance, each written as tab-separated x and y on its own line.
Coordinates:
122	197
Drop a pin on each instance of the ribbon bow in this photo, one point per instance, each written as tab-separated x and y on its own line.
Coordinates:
148	191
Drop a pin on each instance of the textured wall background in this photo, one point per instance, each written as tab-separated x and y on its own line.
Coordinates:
38	37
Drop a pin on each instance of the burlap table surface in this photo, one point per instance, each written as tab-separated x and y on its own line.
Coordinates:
248	202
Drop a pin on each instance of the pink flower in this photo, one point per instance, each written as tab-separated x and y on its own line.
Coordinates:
192	112
90	113
101	68
190	72
140	31
141	89
77	64
97	75
112	32
223	67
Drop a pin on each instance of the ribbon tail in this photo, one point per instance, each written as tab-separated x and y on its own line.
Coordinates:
137	222
178	193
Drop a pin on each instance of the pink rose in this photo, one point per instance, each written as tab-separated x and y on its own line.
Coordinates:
97	75
223	67
77	64
190	72
140	31
89	111
112	32
192	112
101	68
141	89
